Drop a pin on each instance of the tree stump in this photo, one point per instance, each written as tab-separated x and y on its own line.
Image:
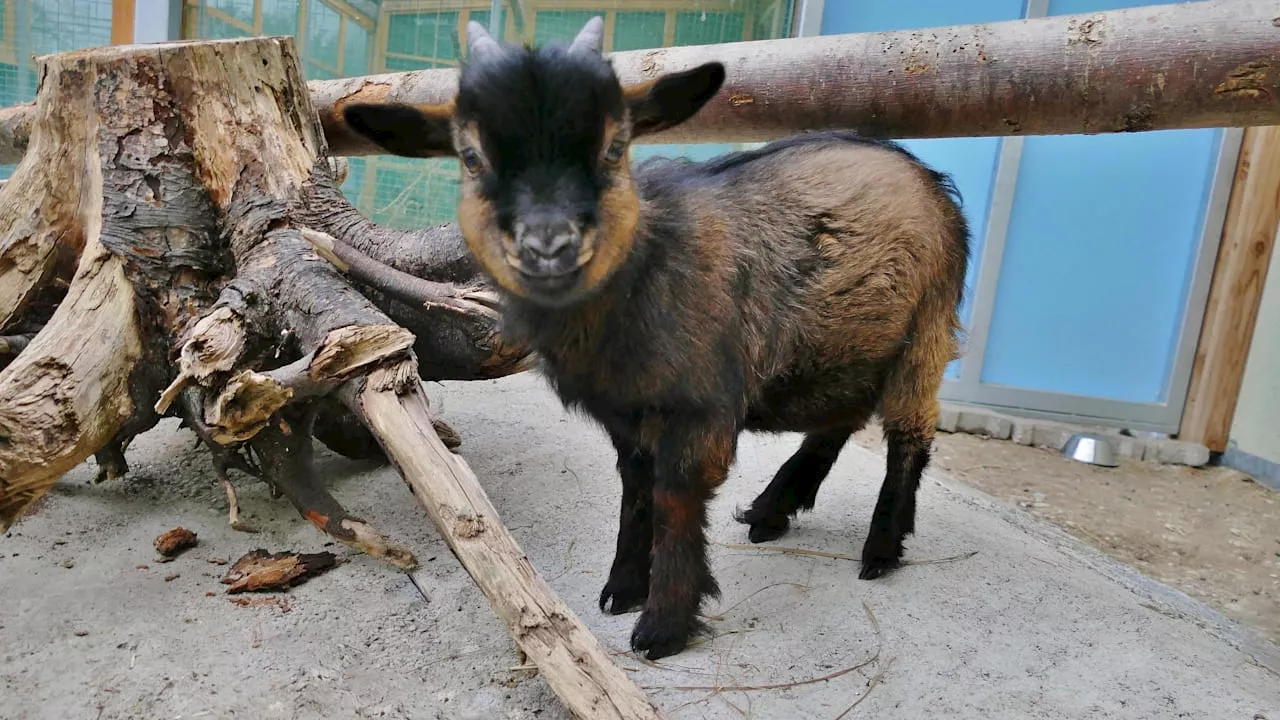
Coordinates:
175	244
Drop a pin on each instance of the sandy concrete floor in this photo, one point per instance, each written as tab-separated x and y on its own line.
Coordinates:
1210	532
1035	624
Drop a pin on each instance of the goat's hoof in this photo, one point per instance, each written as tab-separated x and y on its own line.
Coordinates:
768	529
879	557
764	525
876	568
620	597
657	636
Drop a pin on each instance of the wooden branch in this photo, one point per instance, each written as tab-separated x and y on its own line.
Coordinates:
1189	65
64	398
42	222
437	260
1248	238
1185	65
214	345
15	131
568	656
122	12
285	449
401	285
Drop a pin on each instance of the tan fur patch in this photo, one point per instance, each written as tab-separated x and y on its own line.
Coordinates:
619	215
478	223
632	94
439	111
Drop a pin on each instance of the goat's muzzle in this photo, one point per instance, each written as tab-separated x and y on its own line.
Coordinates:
548	251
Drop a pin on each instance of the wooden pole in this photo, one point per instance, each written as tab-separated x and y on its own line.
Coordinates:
122	12
1201	64
1248	237
568	656
1190	65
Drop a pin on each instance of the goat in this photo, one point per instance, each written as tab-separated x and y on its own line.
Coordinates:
801	286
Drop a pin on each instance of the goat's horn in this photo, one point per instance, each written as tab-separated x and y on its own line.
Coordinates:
480	44
591	36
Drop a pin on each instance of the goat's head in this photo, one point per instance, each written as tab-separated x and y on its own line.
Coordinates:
548	205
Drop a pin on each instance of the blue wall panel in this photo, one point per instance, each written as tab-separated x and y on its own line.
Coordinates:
970	161
1099	256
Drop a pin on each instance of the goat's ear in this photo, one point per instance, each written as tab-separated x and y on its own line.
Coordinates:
672	98
410	130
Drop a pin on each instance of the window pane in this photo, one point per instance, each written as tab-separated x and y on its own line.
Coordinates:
559	25
322	34
279	17
706	28
638	30
397	64
355	56
239	9
427	35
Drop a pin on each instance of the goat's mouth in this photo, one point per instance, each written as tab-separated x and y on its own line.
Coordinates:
550	286
545	272
542	277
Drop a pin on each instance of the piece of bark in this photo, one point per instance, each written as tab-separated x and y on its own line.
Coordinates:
172	542
260	571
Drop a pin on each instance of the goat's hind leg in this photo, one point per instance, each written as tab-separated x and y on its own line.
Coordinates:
909	410
795	486
895	515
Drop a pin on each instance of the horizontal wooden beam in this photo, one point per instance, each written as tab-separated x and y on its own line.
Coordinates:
1248	239
1190	65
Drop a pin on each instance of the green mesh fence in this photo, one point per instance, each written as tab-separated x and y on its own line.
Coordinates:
341	38
31	28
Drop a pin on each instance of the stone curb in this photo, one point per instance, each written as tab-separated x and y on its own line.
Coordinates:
973	420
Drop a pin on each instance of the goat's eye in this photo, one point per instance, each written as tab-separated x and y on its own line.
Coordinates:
471	160
615	151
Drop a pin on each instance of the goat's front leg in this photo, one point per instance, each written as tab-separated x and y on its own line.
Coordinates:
689	464
628	584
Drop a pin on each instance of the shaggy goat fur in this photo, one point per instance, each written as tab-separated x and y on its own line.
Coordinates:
803	286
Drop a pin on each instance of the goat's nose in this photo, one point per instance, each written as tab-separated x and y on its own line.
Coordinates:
547	248
547	238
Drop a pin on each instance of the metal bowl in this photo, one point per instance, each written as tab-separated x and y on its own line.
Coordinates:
1091	448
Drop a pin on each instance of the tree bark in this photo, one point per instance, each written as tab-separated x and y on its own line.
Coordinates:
191	255
1159	67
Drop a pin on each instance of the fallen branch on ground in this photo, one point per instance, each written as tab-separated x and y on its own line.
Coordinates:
837	556
875	624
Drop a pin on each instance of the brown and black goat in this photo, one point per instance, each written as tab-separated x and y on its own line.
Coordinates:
801	286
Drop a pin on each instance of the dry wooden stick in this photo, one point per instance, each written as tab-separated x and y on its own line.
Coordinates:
720	615
787	550
838	556
871	686
875	624
401	285
568	656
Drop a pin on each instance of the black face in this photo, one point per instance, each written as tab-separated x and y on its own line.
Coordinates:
548	207
532	128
